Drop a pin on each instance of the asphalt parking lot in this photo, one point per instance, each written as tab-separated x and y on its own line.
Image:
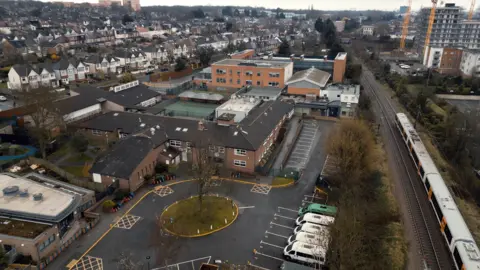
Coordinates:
307	140
266	219
465	105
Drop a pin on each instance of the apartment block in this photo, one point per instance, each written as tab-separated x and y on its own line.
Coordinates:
236	73
470	63
444	60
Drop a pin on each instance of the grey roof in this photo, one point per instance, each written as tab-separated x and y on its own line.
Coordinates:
87	98
256	127
202	96
22	69
255	63
132	96
122	160
312	75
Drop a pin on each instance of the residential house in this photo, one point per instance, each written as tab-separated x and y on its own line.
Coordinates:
70	69
106	64
26	76
156	54
131	58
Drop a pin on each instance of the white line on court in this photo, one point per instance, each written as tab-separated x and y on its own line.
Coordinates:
273	223
279	235
272	245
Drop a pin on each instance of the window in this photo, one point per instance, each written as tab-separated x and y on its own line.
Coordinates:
458	259
240	152
221	149
176	143
448	234
240	163
211	148
259	74
47	243
97	132
238	81
437	208
189	145
258	82
248	82
274	75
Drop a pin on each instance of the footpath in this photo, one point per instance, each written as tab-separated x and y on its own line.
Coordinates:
292	129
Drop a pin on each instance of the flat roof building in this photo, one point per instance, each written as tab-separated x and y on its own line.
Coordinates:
263	93
238	106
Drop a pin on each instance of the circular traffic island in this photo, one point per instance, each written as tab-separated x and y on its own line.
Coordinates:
195	217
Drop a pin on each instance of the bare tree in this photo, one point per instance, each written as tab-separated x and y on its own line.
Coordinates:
165	245
203	168
44	116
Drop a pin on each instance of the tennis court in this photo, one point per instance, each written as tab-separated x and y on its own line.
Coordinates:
190	109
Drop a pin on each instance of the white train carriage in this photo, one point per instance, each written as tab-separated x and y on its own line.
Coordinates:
454	229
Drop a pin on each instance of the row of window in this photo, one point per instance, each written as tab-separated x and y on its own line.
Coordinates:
46	243
240	163
148	169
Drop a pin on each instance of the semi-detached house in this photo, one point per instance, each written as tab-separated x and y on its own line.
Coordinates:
234	146
27	76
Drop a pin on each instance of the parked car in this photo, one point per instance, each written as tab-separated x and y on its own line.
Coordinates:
3	98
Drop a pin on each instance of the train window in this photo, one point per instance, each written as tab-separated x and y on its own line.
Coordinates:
448	234
437	208
458	259
422	172
415	157
427	184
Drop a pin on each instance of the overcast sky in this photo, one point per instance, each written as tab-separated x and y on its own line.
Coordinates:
303	4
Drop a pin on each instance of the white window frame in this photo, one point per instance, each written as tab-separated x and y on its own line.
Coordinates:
221	149
240	152
240	163
97	132
175	143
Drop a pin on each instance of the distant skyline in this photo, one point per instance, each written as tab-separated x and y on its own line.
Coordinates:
302	4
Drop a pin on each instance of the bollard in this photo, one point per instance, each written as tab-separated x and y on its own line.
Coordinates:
198	231
211	227
225	220
233	213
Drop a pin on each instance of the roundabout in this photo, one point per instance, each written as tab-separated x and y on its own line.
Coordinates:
195	217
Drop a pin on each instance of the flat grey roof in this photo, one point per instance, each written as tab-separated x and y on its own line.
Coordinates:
253	63
54	205
264	91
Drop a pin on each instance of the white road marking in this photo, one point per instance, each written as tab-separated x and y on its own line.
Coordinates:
272	245
283	217
246	207
279	235
259	267
288	209
184	262
268	256
273	223
315	197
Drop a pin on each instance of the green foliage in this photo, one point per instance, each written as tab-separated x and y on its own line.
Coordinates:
228	26
120	194
227	11
126	19
329	33
353	72
319	25
108	205
127	77
161	168
198	13
180	64
3	259
284	48
79	143
205	55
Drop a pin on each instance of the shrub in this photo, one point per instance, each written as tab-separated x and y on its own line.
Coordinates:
108	205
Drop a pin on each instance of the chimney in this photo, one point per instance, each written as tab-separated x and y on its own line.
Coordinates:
201	126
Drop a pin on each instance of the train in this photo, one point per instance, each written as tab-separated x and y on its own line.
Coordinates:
457	236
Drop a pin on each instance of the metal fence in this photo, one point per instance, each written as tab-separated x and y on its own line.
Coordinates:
287	173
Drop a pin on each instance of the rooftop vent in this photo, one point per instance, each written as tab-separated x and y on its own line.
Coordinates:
142	125
10	191
23	193
37	196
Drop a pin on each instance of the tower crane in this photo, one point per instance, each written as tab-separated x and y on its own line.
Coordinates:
406	21
431	18
472	8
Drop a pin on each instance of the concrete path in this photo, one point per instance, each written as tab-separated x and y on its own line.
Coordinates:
292	128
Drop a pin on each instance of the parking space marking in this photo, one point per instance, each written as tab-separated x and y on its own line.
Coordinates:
288	209
89	263
127	222
177	265
277	215
163	191
279	225
268	256
268	244
262	189
279	235
246	207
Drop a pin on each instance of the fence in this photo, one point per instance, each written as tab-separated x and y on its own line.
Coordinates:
286	173
72	179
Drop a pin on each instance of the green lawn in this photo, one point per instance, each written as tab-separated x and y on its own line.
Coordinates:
187	218
59	153
75	170
79	158
3	85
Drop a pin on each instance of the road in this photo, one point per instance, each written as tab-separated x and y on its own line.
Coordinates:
427	249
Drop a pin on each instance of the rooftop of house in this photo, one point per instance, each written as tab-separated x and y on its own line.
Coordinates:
24	198
21	228
252	63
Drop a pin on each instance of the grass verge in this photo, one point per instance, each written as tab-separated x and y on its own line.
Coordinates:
75	170
281	181
78	158
190	219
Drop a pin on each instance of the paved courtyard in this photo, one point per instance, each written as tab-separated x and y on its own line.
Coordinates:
307	140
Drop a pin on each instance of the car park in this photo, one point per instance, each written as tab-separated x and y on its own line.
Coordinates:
310	238
305	253
308	227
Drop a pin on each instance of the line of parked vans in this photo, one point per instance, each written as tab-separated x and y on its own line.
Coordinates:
309	242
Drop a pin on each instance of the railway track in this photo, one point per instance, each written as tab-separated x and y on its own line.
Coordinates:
431	244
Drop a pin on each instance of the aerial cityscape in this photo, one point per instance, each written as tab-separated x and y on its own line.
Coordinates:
202	136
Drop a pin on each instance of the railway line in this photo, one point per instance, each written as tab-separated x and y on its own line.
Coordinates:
433	252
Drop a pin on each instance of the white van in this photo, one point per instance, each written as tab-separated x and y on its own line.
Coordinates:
305	253
315	218
309	228
320	238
